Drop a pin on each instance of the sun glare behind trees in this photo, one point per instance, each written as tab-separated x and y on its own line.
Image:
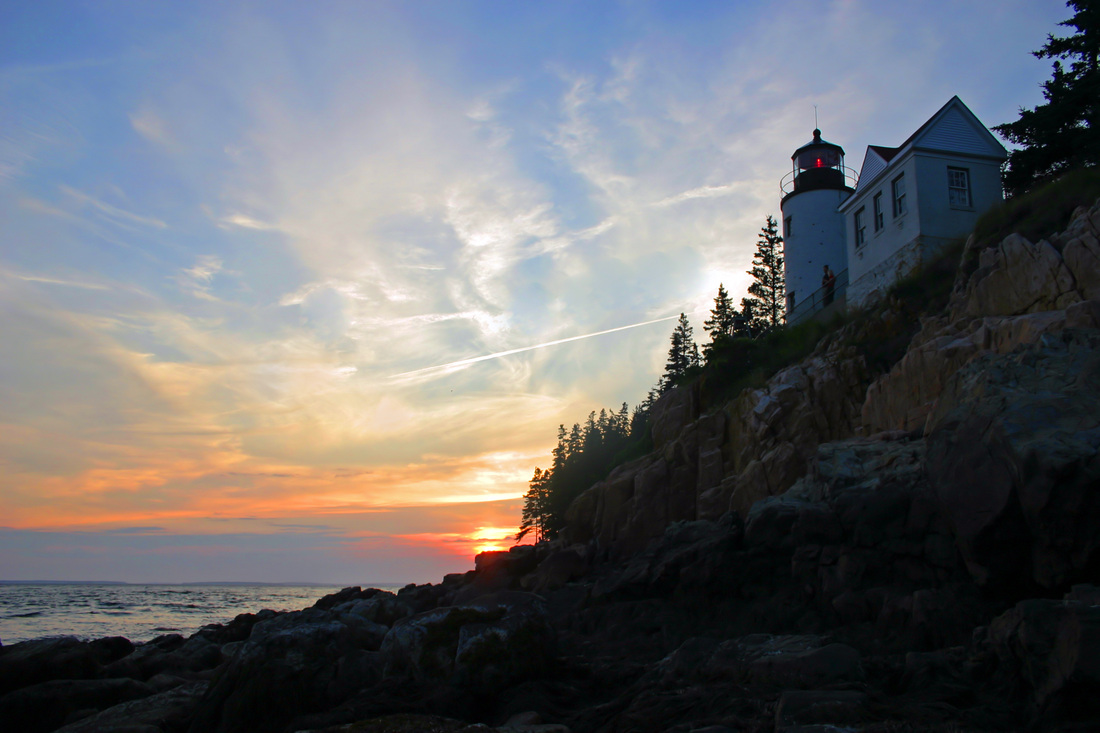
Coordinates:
585	455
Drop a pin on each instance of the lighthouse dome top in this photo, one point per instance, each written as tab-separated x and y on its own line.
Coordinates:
807	155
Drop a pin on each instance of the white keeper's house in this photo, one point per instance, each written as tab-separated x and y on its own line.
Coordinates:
873	229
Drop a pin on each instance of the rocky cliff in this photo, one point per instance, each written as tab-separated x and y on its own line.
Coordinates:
850	547
764	441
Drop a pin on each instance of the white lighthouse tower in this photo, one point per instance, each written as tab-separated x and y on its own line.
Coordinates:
813	231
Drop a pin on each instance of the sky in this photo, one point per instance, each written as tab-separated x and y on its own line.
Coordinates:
300	291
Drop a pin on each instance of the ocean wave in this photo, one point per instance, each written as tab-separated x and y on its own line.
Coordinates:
138	612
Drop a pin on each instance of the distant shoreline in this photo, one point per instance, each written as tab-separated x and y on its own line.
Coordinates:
206	583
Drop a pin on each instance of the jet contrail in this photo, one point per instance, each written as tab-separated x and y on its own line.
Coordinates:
499	354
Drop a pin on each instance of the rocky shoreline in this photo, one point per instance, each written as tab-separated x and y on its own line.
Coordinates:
839	550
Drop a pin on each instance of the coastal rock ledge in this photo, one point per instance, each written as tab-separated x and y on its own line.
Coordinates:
852	546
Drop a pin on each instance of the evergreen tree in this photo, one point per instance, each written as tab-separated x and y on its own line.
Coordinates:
767	290
622	424
1064	132
575	443
583	455
683	354
722	322
723	317
639	419
536	507
749	323
561	451
592	436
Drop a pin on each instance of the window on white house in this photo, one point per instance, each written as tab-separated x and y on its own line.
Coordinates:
898	189
861	228
787	227
958	187
877	200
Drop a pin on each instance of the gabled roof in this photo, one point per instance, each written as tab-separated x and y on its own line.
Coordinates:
874	161
887	154
953	129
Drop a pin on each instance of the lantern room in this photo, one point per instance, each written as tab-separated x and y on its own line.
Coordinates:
817	164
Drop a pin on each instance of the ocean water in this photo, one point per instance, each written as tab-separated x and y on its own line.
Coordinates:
138	612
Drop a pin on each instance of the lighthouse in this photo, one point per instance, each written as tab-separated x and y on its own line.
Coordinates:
814	233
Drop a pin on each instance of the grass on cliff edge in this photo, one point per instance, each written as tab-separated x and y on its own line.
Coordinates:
739	364
1035	215
1039	213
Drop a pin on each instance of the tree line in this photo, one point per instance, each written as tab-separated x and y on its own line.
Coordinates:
586	454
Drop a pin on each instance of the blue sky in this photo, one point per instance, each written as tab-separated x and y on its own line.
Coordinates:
240	244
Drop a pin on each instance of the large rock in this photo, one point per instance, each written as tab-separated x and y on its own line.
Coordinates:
1019	292
825	710
172	654
41	660
687	555
673	412
47	705
494	641
165	712
774	432
558	568
1016	277
801	661
1081	250
1013	457
601	513
291	665
383	608
903	398
705	465
497	570
1054	645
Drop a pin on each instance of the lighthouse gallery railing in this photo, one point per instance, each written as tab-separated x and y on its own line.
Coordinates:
819	299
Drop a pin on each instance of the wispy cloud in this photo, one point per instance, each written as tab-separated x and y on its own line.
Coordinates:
198	278
205	268
703	192
245	222
150	125
63	282
111	213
